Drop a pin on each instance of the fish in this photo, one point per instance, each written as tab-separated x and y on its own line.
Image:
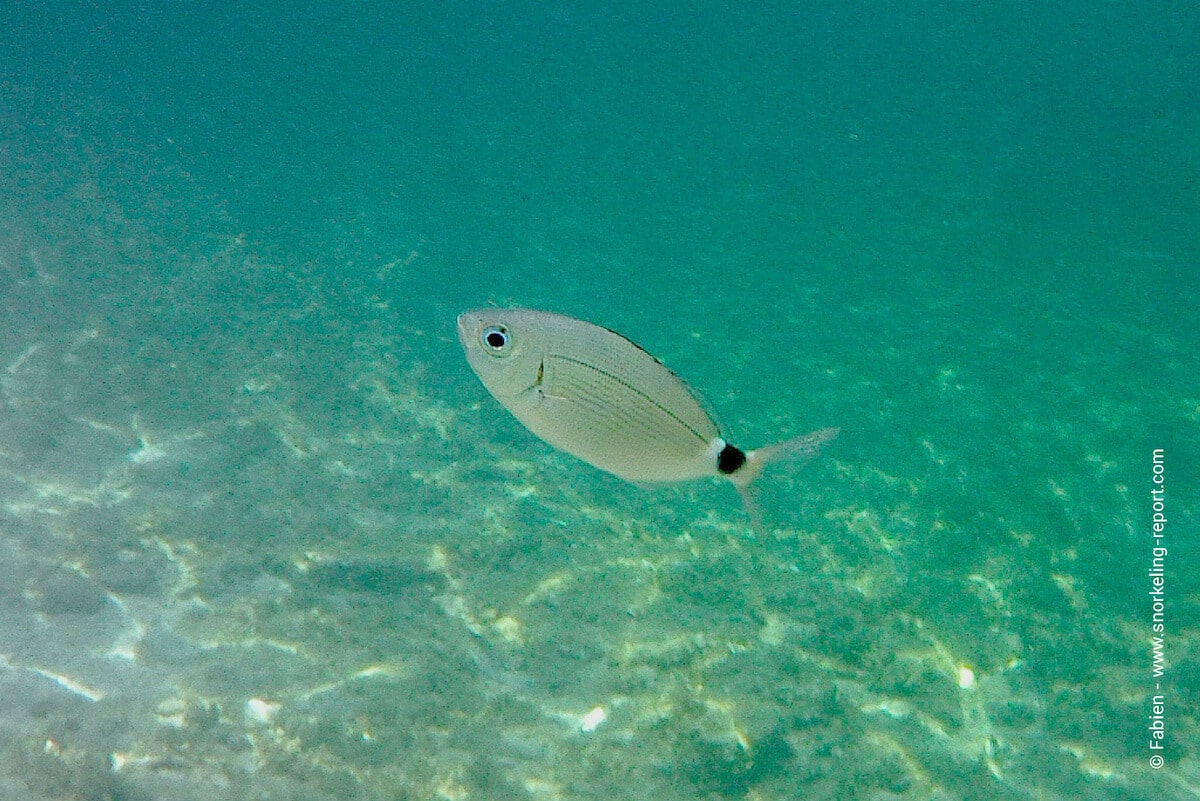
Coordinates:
595	394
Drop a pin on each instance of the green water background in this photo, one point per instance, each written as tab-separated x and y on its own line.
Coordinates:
965	233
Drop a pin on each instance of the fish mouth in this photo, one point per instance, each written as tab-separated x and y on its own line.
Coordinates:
466	329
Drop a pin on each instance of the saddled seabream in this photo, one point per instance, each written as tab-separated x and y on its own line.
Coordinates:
598	396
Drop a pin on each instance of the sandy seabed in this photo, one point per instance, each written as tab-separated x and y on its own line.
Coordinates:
257	542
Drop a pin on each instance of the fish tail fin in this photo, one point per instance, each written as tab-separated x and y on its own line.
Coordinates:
750	502
799	449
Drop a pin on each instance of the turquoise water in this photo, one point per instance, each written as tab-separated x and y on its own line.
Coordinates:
265	535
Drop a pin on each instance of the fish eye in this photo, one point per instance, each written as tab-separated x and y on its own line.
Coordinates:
495	337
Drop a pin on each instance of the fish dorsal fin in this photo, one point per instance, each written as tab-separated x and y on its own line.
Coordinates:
707	408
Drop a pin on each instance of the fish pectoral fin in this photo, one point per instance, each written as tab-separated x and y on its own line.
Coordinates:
542	394
543	388
539	385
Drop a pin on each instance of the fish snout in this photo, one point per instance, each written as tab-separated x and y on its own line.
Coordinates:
466	329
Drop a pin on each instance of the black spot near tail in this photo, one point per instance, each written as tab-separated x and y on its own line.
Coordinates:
730	459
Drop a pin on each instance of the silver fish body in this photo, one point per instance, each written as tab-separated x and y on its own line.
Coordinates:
596	395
